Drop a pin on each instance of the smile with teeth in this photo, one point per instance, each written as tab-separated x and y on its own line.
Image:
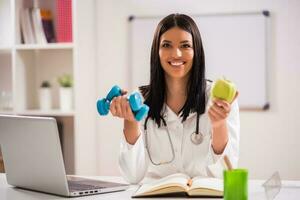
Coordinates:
176	63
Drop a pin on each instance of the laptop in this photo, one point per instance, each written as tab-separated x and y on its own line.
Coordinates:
33	159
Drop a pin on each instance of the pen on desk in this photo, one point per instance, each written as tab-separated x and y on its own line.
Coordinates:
227	163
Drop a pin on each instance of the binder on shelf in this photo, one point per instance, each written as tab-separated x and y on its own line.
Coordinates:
64	20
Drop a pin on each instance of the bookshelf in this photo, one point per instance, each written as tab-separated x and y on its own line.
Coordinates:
45	46
23	67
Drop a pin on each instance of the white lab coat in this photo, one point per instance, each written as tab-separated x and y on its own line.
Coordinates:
191	159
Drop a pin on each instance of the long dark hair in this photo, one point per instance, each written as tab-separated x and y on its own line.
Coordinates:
155	92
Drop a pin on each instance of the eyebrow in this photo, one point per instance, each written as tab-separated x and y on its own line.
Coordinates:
168	41
185	41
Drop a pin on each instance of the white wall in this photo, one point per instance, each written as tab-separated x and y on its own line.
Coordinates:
269	140
85	82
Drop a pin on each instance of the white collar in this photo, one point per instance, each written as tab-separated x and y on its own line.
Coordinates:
169	115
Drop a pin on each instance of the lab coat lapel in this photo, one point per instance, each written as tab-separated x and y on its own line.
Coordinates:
170	116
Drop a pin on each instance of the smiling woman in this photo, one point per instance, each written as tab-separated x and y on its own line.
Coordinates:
182	132
176	53
176	58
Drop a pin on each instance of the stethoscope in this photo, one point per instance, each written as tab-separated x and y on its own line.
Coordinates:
196	138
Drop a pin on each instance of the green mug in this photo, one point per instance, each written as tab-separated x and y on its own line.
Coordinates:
235	184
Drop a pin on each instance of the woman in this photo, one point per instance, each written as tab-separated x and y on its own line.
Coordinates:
178	95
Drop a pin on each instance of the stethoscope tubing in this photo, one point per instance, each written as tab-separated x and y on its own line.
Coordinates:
198	140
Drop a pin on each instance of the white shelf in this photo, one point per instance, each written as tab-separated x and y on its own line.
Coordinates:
23	67
7	112
5	48
54	112
44	46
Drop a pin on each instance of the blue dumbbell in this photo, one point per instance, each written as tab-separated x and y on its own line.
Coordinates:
139	109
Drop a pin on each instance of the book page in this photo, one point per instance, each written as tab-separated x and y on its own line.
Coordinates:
208	183
174	180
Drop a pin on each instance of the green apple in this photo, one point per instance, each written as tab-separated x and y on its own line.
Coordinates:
223	89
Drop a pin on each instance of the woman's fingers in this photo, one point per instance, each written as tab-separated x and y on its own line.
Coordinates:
112	107
115	107
212	115
120	107
222	105
219	111
129	113
123	106
123	92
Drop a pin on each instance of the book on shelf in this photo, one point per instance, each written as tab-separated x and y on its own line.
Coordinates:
27	32
38	26
47	22
64	20
181	185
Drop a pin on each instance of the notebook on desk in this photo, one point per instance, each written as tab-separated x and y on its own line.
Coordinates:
33	159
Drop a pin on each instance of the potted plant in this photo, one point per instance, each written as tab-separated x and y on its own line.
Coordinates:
66	92
45	98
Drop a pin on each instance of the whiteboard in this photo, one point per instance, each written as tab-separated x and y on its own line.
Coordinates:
235	47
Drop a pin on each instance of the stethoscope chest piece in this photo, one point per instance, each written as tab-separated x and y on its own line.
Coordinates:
197	138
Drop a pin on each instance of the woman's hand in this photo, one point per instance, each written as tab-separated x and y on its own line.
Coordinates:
120	107
218	113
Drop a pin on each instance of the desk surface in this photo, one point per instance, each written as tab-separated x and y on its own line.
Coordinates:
290	190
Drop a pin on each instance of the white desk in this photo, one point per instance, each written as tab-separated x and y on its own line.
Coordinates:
289	191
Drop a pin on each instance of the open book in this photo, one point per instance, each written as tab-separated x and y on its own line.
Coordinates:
182	184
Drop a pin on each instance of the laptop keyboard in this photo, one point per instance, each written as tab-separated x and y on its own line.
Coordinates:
79	186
